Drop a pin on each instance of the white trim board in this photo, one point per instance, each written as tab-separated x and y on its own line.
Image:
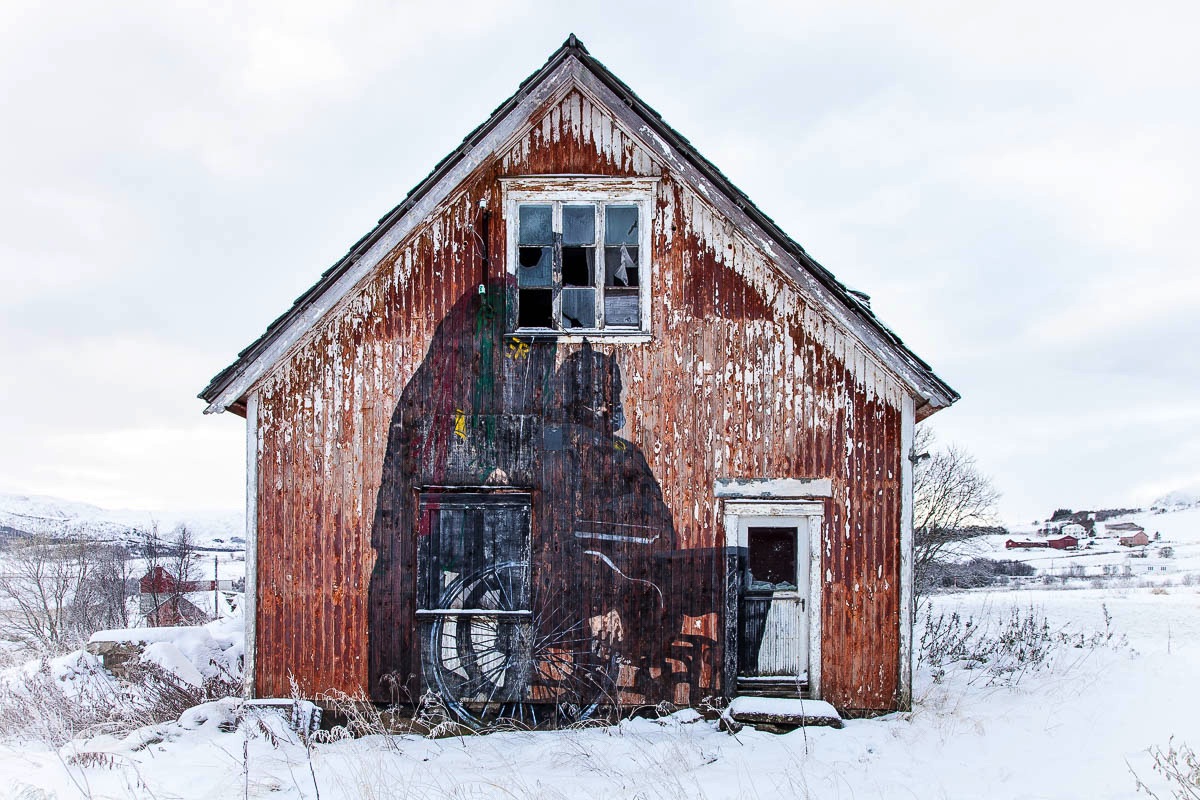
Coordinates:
907	609
251	591
782	488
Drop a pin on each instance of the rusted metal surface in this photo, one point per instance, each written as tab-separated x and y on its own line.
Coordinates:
743	377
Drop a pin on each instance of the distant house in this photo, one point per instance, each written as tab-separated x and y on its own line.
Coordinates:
163	598
1073	529
1064	543
1135	539
175	610
1123	528
1013	544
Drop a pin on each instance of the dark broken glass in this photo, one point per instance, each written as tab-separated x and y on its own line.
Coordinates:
579	308
772	559
470	535
577	266
621	266
620	224
579	225
535	308
535	225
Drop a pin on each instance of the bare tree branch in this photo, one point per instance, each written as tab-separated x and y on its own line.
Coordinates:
952	500
56	592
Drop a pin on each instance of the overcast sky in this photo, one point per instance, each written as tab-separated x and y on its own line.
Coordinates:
1015	187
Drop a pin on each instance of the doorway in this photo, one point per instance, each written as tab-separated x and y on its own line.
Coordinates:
777	580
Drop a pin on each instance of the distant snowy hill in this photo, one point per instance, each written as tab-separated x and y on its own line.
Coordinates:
36	514
1178	500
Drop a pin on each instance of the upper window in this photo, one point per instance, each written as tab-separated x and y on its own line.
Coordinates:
578	250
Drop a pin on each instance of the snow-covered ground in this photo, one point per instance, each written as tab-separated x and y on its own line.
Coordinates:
1074	729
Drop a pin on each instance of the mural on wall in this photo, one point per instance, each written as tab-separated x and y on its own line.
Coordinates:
525	556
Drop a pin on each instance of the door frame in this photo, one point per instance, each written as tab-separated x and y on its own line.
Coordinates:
735	510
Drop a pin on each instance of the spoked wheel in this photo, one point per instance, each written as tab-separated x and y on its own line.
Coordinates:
493	659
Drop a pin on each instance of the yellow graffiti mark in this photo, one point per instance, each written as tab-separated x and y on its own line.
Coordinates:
618	445
517	349
460	423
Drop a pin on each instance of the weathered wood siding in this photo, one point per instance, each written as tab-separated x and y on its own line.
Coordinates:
743	377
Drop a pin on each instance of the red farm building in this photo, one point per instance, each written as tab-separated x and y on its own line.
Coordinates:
1018	544
576	425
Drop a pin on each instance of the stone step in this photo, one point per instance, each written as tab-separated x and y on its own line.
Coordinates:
778	712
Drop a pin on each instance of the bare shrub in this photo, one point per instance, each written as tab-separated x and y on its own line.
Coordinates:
359	716
1180	766
1001	652
54	704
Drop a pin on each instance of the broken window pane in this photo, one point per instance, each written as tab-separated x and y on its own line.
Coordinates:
535	267
535	308
772	559
621	266
579	225
579	308
577	266
535	226
621	308
620	224
567	251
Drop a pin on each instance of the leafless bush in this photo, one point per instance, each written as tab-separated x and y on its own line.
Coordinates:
1180	766
359	717
1004	651
55	708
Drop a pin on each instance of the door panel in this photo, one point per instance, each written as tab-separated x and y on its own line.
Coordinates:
773	612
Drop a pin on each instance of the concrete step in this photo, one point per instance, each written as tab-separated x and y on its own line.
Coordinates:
783	713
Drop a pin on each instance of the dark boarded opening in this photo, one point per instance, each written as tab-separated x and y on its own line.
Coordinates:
473	584
771	568
772	558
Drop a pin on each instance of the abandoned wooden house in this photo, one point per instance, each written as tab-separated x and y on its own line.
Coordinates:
577	425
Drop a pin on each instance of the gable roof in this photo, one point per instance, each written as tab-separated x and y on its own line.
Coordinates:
226	390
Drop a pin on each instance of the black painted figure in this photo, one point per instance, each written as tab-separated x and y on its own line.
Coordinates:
524	550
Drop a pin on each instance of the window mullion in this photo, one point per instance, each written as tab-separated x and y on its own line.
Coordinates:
598	272
556	265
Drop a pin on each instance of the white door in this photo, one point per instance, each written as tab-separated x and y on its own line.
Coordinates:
773	609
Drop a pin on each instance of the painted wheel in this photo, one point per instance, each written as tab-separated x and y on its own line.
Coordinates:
491	661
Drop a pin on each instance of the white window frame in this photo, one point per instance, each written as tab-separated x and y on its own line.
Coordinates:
558	190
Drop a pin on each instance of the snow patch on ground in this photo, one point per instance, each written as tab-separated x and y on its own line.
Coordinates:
194	653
